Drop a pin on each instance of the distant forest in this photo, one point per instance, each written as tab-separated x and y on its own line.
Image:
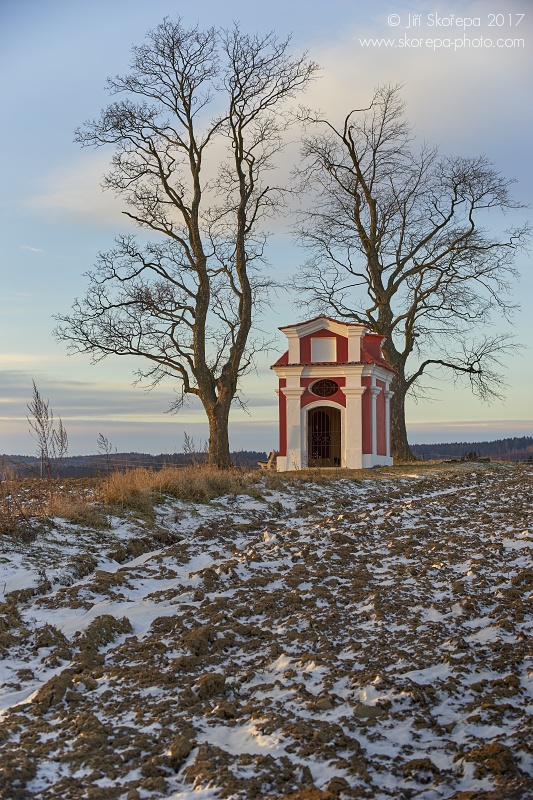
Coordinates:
518	448
86	466
515	449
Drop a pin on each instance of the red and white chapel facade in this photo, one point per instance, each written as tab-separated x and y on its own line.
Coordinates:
334	395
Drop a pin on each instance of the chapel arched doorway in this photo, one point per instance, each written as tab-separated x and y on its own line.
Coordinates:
324	437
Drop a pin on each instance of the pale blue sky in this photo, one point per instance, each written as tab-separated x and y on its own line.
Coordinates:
55	56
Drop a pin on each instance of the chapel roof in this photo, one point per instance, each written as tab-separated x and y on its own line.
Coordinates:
325	318
366	358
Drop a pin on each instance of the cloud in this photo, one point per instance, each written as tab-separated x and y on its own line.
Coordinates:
31	249
22	358
134	420
74	193
469	99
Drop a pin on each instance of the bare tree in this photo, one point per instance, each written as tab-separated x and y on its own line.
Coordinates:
186	302
397	243
105	448
52	441
194	455
60	445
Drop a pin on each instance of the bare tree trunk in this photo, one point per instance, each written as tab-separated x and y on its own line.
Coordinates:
218	436
400	449
399	444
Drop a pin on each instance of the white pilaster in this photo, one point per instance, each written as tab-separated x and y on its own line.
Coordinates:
374	391
294	346
388	395
353	430
294	434
354	344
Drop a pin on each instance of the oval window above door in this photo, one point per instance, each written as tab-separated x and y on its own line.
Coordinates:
324	388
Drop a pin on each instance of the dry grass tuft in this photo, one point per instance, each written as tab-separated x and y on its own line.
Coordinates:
140	488
86	502
23	501
78	511
132	490
202	483
13	520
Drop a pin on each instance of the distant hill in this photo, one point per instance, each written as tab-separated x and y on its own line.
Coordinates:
512	449
86	466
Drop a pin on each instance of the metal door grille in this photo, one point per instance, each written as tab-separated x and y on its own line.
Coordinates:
324	437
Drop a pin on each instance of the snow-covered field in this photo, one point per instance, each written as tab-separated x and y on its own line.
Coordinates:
358	639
